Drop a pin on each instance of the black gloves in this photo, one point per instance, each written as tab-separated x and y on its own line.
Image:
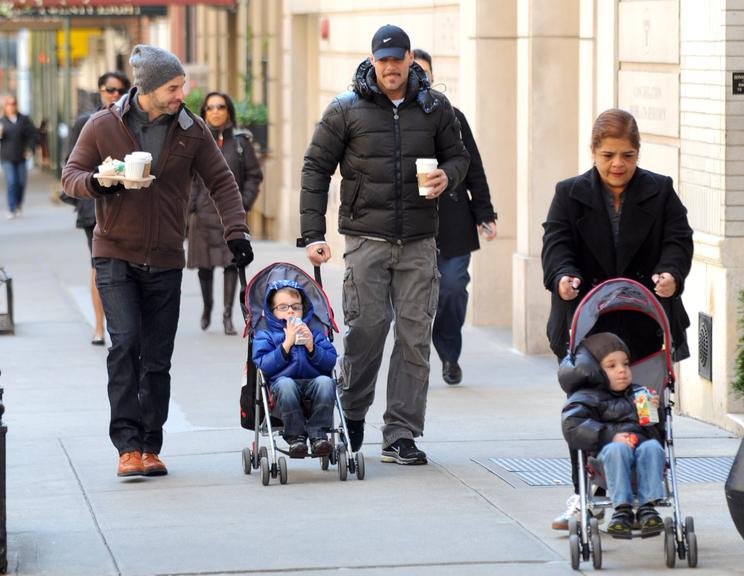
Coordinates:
97	187
242	251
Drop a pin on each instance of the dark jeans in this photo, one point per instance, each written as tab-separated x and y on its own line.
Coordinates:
453	303
141	307
15	181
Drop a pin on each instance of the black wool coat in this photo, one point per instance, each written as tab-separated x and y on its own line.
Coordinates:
654	237
207	247
459	217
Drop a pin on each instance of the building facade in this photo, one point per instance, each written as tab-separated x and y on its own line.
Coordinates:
531	76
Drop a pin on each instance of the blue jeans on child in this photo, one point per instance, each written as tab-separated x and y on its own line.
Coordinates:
290	395
648	460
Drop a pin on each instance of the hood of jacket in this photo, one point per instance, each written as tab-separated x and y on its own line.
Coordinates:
276	323
365	85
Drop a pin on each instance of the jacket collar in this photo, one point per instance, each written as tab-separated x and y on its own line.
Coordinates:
418	87
123	105
595	225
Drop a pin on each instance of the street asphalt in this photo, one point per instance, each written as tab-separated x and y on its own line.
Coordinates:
462	514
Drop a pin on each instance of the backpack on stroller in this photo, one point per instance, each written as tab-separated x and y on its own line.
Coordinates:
256	405
632	312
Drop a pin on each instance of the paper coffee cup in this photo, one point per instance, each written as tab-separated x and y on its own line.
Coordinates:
423	167
147	157
134	167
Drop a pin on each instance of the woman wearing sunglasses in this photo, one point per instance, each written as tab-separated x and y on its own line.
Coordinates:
111	87
207	249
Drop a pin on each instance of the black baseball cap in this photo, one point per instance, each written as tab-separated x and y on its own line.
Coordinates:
390	41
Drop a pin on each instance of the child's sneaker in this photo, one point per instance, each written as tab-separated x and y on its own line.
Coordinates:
321	446
297	446
650	521
621	523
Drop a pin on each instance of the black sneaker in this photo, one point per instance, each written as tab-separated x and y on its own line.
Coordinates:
620	525
650	521
403	451
320	446
297	446
356	433
451	372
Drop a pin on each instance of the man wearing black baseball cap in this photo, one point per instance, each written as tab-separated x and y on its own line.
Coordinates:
376	132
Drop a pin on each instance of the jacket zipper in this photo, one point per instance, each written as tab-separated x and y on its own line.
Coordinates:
398	178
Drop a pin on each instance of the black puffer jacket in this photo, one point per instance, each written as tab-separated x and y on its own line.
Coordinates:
377	146
592	416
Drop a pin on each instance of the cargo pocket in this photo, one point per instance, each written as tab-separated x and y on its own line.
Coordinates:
434	294
350	297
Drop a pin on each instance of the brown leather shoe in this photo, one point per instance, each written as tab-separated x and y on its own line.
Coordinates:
153	465
130	464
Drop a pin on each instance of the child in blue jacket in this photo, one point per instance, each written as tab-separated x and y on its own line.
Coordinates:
297	364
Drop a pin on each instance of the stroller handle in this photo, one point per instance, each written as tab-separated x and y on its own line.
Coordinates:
243	288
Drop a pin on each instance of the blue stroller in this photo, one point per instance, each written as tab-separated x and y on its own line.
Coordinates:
631	311
256	405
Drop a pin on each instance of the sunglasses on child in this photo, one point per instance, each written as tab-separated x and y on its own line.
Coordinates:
285	307
111	90
216	106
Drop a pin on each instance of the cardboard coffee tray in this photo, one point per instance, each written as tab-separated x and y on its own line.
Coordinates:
130	183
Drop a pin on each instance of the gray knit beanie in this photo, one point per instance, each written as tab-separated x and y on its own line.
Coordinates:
152	67
604	343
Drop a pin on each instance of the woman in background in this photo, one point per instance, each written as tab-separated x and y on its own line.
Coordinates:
207	249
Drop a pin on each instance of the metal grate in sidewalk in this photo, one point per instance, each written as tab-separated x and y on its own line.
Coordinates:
557	471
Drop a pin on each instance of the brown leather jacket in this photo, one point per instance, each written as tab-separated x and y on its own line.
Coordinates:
147	226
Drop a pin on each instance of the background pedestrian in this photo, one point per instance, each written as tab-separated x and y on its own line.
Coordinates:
111	87
462	215
18	137
207	249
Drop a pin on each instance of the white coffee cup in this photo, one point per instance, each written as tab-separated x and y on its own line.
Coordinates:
134	167
423	167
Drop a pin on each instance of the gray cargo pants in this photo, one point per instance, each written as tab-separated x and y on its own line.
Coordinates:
382	282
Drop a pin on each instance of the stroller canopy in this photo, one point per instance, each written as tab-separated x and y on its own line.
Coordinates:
256	292
631	311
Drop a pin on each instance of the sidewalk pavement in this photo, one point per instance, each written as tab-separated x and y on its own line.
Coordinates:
68	513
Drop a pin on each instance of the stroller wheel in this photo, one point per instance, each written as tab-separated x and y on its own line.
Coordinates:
573	544
282	470
343	469
669	543
596	543
247	461
263	452
324	461
359	458
265	471
692	557
573	526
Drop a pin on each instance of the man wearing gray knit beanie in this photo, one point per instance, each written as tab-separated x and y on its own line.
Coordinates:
138	243
159	79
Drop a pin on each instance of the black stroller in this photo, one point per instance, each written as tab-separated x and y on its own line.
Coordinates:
631	311
255	398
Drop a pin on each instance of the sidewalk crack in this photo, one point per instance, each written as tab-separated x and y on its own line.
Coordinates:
90	508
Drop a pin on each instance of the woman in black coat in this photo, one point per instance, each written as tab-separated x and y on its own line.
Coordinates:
616	220
207	248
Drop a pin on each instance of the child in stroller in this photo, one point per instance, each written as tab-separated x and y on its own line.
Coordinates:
605	420
298	363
